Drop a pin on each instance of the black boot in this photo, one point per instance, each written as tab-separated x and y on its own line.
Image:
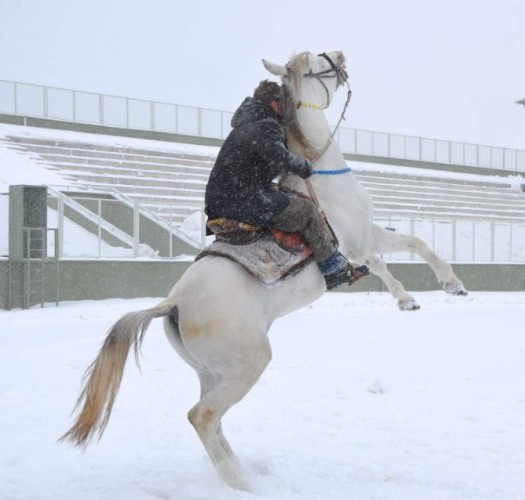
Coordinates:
338	271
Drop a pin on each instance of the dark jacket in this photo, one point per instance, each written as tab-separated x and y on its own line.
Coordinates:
254	153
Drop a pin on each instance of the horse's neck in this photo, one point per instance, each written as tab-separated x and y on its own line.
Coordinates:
315	128
332	191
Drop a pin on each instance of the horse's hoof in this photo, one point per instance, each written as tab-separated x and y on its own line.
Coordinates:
239	484
408	305
456	289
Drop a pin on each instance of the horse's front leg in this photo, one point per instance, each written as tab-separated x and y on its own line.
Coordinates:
385	241
405	301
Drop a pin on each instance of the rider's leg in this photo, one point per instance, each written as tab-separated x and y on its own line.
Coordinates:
301	215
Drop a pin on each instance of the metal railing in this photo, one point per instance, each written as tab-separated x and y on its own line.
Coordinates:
92	236
76	106
426	150
25	99
457	240
91	227
37	275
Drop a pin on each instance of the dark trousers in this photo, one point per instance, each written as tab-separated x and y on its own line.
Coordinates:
301	216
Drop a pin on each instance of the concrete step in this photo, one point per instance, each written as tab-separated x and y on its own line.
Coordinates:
414	179
391	209
131	173
31	142
394	184
465	198
178	165
164	194
174	173
110	178
54	153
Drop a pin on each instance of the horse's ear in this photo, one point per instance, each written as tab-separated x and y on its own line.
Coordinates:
274	69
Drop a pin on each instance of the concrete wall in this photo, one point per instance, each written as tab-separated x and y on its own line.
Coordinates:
88	280
95	280
475	277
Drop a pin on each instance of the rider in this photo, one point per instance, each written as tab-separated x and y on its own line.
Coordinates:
240	186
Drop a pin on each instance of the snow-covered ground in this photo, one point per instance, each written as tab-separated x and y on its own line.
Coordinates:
360	401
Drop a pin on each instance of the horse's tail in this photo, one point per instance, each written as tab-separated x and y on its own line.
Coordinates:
102	379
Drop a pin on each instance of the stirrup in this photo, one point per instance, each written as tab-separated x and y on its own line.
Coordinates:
357	273
349	276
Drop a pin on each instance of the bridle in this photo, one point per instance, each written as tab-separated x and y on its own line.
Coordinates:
335	71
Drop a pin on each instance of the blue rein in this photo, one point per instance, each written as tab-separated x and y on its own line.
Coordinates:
332	172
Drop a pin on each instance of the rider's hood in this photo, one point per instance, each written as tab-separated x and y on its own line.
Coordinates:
252	110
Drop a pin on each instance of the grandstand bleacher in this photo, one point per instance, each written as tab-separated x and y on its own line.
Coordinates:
161	180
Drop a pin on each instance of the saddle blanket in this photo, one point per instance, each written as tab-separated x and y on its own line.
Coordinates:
264	258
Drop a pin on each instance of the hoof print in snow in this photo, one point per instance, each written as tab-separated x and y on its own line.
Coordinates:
376	387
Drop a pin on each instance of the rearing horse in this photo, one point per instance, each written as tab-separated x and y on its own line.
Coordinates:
345	201
217	316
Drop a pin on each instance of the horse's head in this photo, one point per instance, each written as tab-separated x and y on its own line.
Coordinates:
308	81
312	79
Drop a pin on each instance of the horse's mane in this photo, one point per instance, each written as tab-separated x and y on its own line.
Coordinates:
295	70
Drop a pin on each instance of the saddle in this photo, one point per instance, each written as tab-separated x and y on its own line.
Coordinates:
270	255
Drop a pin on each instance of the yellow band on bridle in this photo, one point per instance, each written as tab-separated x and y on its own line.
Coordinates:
306	105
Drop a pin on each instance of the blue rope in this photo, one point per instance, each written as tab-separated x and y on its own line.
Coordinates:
332	172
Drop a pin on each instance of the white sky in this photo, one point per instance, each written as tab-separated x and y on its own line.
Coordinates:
450	69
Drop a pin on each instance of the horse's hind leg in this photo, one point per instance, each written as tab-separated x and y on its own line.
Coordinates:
225	374
220	393
208	381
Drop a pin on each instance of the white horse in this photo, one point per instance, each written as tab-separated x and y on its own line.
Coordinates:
217	316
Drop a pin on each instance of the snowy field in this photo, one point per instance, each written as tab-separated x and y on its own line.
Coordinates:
361	401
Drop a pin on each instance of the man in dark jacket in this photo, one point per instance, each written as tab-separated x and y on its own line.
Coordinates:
241	185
